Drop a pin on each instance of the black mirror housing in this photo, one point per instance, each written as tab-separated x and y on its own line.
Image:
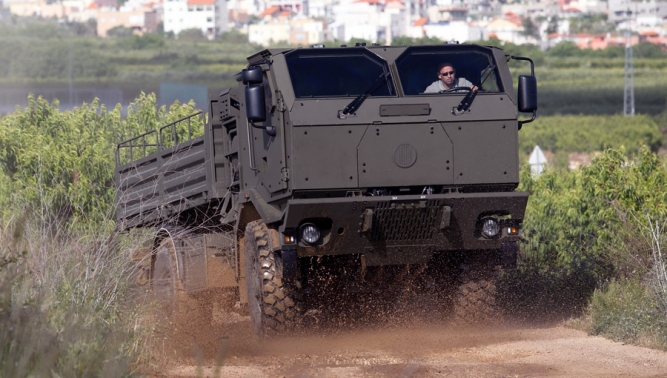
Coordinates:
527	94
254	102
252	75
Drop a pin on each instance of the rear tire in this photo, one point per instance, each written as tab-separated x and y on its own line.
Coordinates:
271	299
166	285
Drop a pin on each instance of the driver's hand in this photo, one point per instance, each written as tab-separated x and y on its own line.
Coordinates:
474	88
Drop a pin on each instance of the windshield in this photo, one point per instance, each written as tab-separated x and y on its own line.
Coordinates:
418	68
337	73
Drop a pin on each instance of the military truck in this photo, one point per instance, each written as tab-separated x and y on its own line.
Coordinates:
335	159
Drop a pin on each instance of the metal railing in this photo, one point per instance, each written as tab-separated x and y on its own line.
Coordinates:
157	140
175	131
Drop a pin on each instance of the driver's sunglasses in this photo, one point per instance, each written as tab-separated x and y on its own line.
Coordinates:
447	73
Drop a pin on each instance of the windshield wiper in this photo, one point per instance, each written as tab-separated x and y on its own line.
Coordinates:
465	104
355	104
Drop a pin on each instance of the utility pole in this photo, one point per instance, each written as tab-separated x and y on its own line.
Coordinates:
69	72
628	78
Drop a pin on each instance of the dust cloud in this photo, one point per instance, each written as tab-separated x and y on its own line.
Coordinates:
378	328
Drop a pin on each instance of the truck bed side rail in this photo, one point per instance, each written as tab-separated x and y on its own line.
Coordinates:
162	172
181	130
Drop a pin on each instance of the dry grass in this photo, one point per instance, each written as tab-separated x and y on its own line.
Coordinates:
67	304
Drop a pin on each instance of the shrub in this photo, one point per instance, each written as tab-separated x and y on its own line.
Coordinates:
59	165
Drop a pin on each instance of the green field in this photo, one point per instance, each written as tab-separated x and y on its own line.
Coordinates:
35	54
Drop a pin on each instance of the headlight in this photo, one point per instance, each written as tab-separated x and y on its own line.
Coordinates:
490	228
309	233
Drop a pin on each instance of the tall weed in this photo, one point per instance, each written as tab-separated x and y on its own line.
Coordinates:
626	310
66	304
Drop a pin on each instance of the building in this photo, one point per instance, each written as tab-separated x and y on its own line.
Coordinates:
295	31
644	13
139	20
209	16
364	19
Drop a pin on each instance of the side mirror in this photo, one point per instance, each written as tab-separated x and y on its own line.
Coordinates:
527	94
252	75
254	102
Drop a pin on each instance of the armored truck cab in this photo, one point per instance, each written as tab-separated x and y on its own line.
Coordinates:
322	156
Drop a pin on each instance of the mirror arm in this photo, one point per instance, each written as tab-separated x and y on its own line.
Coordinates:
271	130
528	121
532	65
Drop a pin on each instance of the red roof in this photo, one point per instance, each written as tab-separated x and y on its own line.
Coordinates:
201	2
270	10
93	5
421	22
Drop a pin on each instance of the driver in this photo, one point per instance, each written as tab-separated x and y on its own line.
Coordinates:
447	80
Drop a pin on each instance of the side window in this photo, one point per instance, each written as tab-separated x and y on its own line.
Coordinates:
489	81
338	73
268	94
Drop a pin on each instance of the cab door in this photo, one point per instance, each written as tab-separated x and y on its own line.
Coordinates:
269	150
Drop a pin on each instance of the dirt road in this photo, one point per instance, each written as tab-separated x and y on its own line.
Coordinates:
417	350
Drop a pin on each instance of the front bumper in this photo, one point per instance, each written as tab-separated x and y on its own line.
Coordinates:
403	229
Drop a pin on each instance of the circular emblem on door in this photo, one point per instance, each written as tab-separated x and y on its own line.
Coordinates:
405	156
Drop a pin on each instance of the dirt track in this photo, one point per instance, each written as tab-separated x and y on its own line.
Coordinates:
417	350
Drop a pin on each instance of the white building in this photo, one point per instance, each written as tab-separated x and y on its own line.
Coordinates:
370	20
295	31
210	16
646	13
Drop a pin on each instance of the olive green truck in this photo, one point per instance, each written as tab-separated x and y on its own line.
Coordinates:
335	159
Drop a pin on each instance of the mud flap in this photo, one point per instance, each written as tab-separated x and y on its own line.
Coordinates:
508	255
289	263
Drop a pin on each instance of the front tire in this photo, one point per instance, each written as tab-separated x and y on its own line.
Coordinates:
475	300
271	299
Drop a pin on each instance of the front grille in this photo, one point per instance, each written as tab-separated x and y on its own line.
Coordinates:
406	221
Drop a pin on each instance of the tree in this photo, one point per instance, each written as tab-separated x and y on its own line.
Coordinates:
233	36
564	49
120	32
146	42
648	50
192	34
529	28
552	26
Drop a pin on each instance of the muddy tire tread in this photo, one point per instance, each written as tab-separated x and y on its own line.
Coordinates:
476	301
277	305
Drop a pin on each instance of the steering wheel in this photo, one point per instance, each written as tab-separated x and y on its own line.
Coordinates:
456	89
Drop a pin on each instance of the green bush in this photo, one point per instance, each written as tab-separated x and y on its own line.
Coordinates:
59	165
605	225
578	217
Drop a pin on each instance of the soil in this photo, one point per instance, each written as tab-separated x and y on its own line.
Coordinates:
225	347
